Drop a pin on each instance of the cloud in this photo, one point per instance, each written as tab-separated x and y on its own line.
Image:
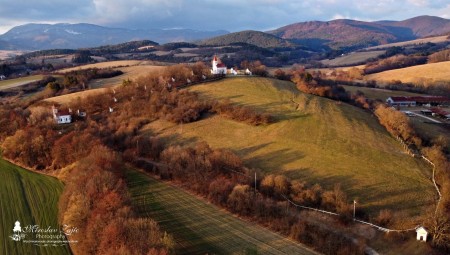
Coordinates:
231	15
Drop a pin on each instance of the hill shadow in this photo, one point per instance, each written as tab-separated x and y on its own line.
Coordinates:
270	161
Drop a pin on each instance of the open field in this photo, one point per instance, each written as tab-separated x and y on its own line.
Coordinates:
435	72
381	94
130	72
109	64
436	39
314	139
199	227
7	84
32	199
352	58
4	54
100	85
65	99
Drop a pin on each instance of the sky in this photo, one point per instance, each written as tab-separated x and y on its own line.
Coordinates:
231	15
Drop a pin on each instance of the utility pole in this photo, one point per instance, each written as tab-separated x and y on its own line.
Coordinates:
255	183
354	209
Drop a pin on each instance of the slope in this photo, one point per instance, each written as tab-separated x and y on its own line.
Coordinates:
313	139
429	73
32	199
199	227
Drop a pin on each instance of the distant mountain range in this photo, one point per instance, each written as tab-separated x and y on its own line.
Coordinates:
344	33
73	36
318	35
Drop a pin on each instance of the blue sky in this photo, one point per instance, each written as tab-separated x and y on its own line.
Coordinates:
231	15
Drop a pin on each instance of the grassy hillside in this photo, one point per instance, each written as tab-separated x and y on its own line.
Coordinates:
434	72
32	199
436	39
12	83
313	139
199	227
353	58
381	94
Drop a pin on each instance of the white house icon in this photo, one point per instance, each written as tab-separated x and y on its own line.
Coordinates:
17	228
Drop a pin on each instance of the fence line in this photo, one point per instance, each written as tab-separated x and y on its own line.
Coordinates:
411	153
434	182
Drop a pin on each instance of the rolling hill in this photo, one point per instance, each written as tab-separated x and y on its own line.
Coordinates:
358	34
313	139
73	36
256	38
434	72
422	26
32	199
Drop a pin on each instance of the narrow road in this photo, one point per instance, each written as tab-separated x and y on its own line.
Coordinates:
425	117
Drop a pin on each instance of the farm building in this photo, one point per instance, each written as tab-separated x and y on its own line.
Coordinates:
418	100
218	67
400	101
61	116
422	234
441	113
2	77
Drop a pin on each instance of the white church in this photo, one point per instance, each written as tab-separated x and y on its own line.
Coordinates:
217	66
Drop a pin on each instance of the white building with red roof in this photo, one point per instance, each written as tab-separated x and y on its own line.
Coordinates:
62	116
217	66
417	100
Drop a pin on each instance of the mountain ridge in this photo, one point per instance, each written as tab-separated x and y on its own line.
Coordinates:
353	33
36	36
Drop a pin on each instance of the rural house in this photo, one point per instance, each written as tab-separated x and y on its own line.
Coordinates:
61	116
421	234
217	66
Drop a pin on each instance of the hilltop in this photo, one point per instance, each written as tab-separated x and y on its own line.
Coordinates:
260	39
313	139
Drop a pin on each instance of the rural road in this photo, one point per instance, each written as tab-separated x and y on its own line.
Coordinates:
425	117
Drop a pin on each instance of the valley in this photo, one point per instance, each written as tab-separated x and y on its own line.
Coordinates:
230	137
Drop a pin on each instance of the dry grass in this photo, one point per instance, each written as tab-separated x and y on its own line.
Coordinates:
422	74
381	94
320	142
99	85
199	227
12	83
352	58
437	39
5	54
66	99
109	64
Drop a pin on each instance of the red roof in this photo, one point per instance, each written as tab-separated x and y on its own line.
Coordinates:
401	99
439	111
63	113
421	99
221	65
215	58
